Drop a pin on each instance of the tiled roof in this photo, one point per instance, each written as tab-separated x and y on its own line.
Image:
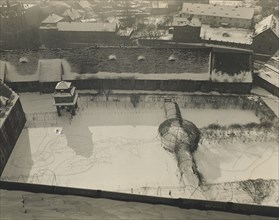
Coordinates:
218	10
96	60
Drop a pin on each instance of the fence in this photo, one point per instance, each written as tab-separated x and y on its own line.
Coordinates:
134	84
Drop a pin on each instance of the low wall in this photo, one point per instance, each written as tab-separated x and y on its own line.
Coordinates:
132	84
253	103
181	203
266	85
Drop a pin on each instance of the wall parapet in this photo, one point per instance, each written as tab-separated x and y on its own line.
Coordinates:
231	207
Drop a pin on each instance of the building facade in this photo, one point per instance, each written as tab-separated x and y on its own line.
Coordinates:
187	34
266	36
218	15
12	121
75	34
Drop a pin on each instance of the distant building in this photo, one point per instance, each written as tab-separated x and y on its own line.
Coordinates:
217	15
124	35
48	30
73	15
12	18
55	32
174	5
268	75
234	3
76	32
159	8
52	20
33	15
85	5
186	31
266	36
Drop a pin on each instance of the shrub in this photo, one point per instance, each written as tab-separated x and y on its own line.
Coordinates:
135	99
235	126
251	125
214	126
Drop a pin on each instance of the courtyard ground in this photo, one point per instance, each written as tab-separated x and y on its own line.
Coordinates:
114	146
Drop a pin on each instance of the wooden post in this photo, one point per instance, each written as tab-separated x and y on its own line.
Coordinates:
58	110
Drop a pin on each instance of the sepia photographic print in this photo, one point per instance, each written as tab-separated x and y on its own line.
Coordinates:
139	109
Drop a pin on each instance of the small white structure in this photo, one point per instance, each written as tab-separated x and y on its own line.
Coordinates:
65	96
172	58
112	57
141	57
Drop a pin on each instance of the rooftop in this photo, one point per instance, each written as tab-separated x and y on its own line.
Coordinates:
179	21
271	22
84	4
218	10
52	19
47	63
270	71
86	27
63	85
50	70
226	2
232	35
159	4
27	6
72	14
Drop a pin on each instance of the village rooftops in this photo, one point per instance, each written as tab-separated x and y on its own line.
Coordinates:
180	21
72	14
52	19
227	2
218	11
159	4
270	22
84	4
86	27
